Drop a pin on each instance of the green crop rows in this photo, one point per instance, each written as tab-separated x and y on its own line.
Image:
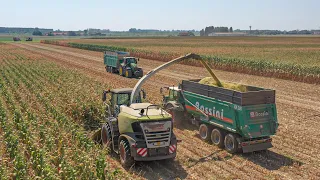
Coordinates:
291	71
46	117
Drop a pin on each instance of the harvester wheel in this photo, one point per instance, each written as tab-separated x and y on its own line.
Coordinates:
106	136
217	137
125	155
204	132
231	143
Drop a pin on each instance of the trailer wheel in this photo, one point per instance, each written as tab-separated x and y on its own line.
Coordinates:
111	69
125	155
107	68
217	137
106	136
231	143
204	131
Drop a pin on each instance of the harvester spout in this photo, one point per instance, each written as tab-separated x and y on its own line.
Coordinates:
211	73
138	86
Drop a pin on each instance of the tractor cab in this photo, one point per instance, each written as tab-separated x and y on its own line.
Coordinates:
129	60
170	93
120	97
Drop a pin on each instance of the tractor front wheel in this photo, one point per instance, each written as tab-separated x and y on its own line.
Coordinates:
128	73
125	156
177	116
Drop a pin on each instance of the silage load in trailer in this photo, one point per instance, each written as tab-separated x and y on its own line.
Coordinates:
228	85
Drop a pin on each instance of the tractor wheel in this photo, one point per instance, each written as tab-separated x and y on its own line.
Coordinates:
231	143
128	73
204	132
120	71
106	137
217	137
125	156
177	116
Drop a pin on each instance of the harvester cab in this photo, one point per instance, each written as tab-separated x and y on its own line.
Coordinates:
118	98
135	130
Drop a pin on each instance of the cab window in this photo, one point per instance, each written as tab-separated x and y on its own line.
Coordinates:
131	60
172	94
123	99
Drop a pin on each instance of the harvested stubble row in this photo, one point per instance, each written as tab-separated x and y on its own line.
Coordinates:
290	71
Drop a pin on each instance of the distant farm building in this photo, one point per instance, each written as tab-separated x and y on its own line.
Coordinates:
316	32
63	33
186	34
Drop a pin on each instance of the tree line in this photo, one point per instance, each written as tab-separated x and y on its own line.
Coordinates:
211	29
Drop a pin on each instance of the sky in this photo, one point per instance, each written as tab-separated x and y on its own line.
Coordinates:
161	14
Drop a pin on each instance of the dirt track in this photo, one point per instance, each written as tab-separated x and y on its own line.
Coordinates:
296	147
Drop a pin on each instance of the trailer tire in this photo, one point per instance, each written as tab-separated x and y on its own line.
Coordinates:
217	137
111	70
106	138
231	143
107	68
204	132
126	159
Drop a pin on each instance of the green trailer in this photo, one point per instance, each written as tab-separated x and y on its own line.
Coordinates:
121	62
236	121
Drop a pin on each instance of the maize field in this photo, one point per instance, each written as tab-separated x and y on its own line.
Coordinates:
295	58
50	104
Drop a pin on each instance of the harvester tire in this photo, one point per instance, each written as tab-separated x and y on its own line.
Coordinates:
126	159
217	137
231	143
204	132
106	137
